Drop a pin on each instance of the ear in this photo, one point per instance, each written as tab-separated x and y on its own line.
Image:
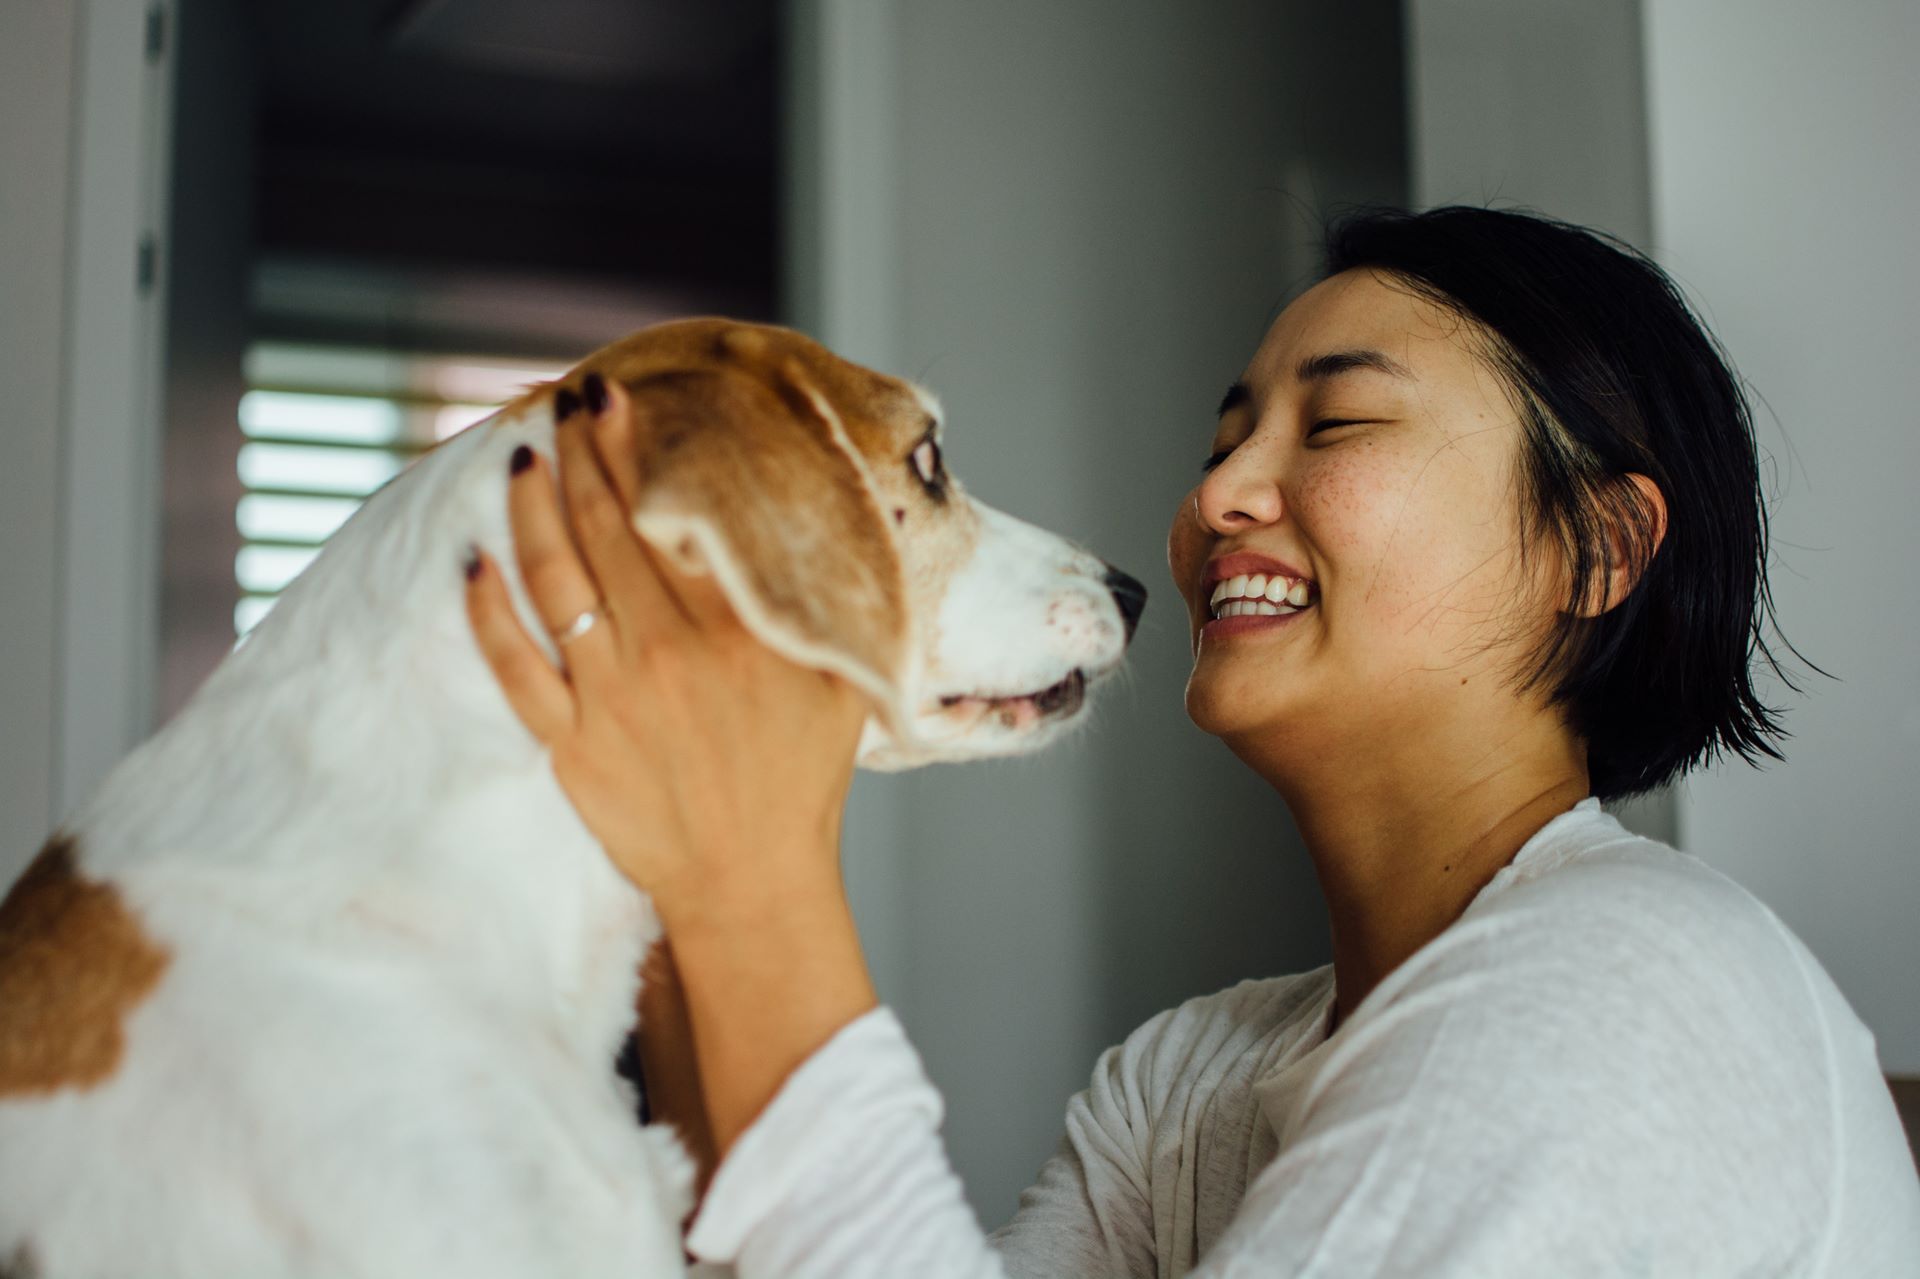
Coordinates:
1637	524
754	483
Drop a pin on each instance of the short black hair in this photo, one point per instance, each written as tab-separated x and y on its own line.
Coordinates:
1612	375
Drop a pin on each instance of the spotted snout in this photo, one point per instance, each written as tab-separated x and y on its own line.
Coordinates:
1024	629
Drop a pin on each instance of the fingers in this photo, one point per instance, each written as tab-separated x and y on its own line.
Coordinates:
557	581
602	478
601	474
616	438
534	689
602	525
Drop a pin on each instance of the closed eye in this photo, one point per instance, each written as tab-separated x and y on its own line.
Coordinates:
1327	424
1215	458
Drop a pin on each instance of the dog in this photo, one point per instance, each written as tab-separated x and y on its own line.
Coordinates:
329	980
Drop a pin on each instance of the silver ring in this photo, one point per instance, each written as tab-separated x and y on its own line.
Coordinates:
578	626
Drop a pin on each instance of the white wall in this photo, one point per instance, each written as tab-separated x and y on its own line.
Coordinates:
37	51
1073	221
208	325
82	138
110	533
1530	102
1785	185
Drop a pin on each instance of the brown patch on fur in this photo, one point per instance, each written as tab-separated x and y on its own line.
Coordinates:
74	964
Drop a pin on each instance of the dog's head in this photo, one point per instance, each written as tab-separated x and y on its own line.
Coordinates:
814	492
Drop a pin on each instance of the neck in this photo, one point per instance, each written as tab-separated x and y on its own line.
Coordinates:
1403	839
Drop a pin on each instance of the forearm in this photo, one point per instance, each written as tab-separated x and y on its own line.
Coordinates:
843	1175
832	1165
771	967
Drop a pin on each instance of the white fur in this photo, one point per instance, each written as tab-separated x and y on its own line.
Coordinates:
1025	610
400	967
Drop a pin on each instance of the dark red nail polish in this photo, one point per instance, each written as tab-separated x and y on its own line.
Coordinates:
521	460
594	392
472	567
565	404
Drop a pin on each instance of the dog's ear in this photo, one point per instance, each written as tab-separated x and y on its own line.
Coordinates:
754	482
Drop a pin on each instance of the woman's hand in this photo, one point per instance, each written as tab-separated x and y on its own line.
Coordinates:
713	771
698	757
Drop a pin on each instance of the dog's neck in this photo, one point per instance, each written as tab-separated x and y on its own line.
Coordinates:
353	767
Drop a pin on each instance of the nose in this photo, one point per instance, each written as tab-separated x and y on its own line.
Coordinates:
1235	498
1129	595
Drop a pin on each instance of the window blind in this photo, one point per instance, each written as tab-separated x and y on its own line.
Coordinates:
323	427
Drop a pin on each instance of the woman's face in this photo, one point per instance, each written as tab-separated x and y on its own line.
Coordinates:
1370	450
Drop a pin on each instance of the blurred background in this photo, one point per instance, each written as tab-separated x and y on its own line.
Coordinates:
255	256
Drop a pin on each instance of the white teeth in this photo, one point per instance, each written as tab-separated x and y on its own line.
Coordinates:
1238	596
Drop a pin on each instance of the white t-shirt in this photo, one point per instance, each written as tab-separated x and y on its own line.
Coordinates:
1616	1062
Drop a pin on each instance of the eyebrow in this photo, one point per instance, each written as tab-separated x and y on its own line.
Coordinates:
1319	368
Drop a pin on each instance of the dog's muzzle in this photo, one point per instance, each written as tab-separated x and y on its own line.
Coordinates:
1128	595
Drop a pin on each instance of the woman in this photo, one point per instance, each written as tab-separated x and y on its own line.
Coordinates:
1522	481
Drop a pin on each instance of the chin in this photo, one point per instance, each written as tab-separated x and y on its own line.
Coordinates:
1219	704
1230	693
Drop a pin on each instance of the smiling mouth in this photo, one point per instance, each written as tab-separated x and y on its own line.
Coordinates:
1021	709
1261	595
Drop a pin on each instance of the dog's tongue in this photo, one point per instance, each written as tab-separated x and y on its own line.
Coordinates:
1020	712
1014	712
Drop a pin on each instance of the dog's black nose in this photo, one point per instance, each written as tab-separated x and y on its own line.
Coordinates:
1129	595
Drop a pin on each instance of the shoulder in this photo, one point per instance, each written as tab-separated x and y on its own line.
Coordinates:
1617	909
1233	1018
1613	1031
1608	963
1202	1042
1254	1004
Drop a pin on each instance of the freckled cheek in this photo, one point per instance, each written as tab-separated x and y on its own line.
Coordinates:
1368	525
1349	511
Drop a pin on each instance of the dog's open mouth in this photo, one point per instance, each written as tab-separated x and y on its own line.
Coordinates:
1022	709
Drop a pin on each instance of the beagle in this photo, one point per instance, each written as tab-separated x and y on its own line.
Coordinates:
328	978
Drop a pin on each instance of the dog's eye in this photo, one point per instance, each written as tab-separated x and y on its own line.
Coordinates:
926	465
